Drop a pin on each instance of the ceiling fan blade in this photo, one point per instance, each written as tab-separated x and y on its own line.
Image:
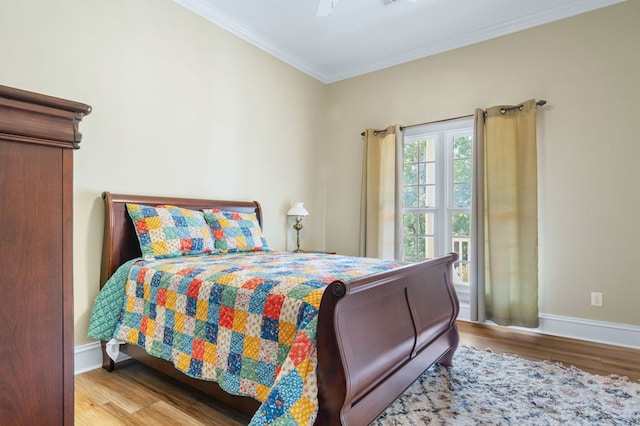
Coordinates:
325	7
388	2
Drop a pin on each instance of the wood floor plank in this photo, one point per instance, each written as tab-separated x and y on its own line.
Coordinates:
106	414
118	391
84	398
162	412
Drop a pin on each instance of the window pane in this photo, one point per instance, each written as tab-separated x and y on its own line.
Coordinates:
462	269
409	247
430	173
429	149
462	195
460	226
410	196
422	145
410	173
422	174
430	248
409	224
411	152
421	249
421	223
462	170
462	147
460	243
427	196
427	224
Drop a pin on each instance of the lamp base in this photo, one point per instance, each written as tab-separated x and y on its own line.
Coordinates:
298	226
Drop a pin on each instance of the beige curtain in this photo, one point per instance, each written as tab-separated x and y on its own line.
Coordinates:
506	216
380	184
476	299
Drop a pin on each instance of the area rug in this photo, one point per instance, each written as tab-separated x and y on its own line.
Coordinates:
485	388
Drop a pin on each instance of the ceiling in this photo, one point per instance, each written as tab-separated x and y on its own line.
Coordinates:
360	36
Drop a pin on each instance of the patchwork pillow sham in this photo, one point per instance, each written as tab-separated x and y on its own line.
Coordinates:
169	231
235	232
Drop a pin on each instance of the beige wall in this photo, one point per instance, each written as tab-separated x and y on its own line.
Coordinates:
180	107
588	68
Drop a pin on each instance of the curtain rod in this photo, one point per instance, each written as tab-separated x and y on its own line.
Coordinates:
503	110
375	132
437	121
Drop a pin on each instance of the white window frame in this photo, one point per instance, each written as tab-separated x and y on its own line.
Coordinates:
443	133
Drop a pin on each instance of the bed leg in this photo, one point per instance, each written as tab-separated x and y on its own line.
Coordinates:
107	362
447	358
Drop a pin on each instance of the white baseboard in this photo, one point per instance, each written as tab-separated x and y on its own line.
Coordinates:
89	357
593	331
579	328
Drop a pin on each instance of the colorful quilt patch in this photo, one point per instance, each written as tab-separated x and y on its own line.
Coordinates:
244	320
235	232
170	231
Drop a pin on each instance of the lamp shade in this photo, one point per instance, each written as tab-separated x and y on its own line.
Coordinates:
298	210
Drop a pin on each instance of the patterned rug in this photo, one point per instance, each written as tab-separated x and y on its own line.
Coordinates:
485	388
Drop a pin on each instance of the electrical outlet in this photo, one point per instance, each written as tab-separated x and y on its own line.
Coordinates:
596	299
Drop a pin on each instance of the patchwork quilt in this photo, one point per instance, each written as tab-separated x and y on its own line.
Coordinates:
245	320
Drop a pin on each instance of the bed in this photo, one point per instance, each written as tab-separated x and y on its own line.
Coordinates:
375	333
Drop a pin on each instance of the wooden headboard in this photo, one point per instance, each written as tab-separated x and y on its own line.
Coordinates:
120	241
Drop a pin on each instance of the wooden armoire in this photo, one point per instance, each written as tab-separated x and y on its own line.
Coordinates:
38	135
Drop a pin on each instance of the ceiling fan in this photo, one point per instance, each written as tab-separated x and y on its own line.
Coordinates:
325	7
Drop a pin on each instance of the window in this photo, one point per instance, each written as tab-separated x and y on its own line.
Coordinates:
436	194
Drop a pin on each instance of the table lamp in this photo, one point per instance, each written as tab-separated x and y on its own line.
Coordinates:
298	211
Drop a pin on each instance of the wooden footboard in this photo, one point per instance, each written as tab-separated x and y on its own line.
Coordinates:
376	334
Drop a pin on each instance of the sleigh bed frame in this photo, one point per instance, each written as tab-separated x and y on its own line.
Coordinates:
376	334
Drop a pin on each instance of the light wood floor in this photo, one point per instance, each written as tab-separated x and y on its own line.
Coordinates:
136	395
595	358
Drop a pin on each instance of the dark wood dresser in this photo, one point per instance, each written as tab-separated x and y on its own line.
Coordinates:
38	134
